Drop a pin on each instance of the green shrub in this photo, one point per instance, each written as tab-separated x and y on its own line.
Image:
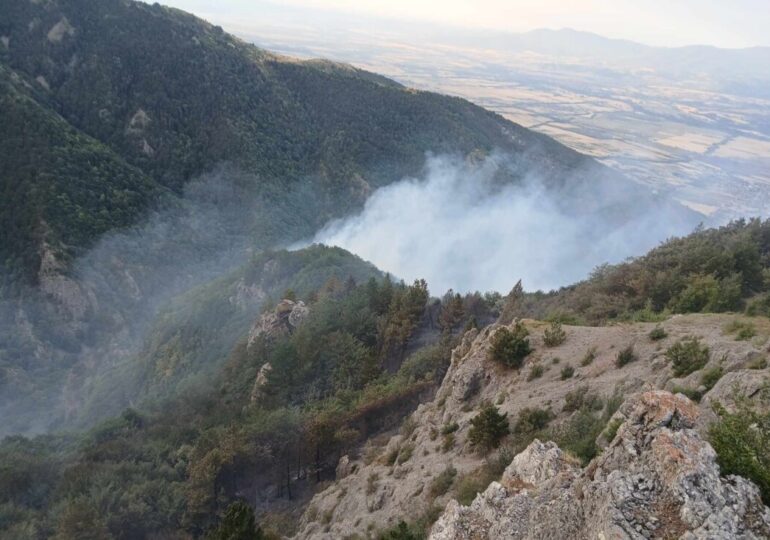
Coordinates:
469	485
237	523
511	347
554	335
402	531
613	403
758	363
742	443
709	294
392	456
711	376
488	428
647	314
441	484
612	429
588	357
405	454
535	372
759	306
687	356
448	442
446	429
532	419
657	333
743	330
578	435
371	483
691	393
408	427
567	372
564	318
582	397
746	333
625	356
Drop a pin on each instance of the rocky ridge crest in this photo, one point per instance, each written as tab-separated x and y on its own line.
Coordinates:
656	479
393	477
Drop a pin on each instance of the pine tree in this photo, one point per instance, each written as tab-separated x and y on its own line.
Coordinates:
488	428
452	312
238	523
512	301
510	347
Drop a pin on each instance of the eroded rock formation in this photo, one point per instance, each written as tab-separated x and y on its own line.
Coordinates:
656	479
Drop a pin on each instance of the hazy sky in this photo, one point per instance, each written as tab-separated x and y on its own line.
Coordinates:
724	23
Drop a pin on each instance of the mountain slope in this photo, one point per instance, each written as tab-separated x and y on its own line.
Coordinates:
202	151
418	472
175	97
57	183
273	435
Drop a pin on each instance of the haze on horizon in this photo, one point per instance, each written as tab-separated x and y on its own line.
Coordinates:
736	24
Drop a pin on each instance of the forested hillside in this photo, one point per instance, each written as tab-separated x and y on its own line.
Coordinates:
270	424
267	434
119	99
148	153
712	270
56	180
177	362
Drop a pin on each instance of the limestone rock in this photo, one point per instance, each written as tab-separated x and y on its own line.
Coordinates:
247	295
60	30
544	492
286	316
745	383
657	478
260	382
344	468
538	463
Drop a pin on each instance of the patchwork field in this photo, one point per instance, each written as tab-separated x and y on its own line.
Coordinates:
694	136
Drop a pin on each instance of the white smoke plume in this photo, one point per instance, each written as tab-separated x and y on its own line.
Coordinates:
457	228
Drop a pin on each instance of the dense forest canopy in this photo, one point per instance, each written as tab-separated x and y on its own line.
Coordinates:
110	105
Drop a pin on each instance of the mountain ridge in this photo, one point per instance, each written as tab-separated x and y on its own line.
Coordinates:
178	108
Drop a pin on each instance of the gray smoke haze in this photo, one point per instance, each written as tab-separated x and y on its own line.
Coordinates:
79	326
457	228
70	349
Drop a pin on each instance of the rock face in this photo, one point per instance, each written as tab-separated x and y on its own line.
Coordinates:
260	382
374	491
656	479
286	316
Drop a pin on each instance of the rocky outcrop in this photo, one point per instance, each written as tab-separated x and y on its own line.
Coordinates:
68	296
374	492
257	391
282	320
741	384
60	30
246	295
656	479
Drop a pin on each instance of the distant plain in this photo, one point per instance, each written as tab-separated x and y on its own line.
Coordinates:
699	133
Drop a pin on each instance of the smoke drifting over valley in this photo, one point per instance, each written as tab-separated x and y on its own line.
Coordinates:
458	228
97	315
167	287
